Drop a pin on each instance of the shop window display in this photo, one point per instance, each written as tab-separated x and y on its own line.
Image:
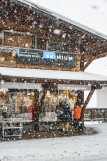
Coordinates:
17	104
52	100
48	108
20	104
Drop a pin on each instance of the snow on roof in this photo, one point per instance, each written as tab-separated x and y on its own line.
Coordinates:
98	66
51	74
61	16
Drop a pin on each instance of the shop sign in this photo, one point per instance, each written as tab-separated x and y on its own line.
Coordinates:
17	86
39	57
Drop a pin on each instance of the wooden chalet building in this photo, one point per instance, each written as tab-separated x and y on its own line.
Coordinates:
42	55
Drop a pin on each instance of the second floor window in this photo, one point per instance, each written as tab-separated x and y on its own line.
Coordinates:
58	46
19	40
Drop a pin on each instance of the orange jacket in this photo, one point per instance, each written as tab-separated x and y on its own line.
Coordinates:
77	112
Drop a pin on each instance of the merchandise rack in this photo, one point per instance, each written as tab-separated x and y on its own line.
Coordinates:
12	127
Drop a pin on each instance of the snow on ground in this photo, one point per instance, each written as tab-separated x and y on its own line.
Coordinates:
76	148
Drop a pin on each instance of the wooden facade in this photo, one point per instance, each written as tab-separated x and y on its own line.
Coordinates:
25	26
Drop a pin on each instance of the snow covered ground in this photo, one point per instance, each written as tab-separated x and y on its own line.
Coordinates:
76	148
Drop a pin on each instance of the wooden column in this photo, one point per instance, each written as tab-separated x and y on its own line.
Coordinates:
80	94
45	88
82	63
36	111
82	57
86	103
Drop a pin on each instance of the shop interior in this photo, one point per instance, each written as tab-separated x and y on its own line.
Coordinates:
16	103
17	109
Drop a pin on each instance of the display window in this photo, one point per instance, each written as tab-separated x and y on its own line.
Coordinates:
17	104
52	100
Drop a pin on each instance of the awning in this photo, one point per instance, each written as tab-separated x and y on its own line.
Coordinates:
21	78
51	74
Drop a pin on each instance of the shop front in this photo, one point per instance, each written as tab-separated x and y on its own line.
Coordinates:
19	103
31	95
43	56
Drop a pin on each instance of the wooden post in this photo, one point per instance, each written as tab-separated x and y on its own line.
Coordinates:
82	62
80	94
38	106
43	96
86	103
36	111
82	58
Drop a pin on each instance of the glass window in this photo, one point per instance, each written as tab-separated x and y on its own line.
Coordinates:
58	46
52	100
17	104
19	40
49	106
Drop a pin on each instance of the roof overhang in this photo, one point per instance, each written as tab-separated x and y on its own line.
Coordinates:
61	19
22	15
82	80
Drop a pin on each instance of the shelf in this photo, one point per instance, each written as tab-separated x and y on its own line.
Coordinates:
12	136
12	127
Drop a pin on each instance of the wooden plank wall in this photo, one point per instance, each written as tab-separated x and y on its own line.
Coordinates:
0	37
22	41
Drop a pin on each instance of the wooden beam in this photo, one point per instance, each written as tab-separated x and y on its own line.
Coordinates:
19	26
45	88
88	98
89	62
82	57
36	110
29	19
86	103
103	54
12	8
95	45
82	63
51	81
96	51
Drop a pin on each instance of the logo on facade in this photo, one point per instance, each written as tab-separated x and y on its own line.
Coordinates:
39	57
49	55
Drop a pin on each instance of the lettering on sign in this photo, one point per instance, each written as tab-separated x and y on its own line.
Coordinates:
39	57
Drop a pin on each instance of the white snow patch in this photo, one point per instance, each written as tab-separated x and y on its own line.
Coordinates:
76	148
51	74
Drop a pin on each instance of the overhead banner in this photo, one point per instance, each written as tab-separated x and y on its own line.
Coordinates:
39	57
16	85
73	87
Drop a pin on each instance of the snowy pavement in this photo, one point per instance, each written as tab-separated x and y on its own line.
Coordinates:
76	148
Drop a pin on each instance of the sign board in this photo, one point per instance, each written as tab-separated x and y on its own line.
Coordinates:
39	57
